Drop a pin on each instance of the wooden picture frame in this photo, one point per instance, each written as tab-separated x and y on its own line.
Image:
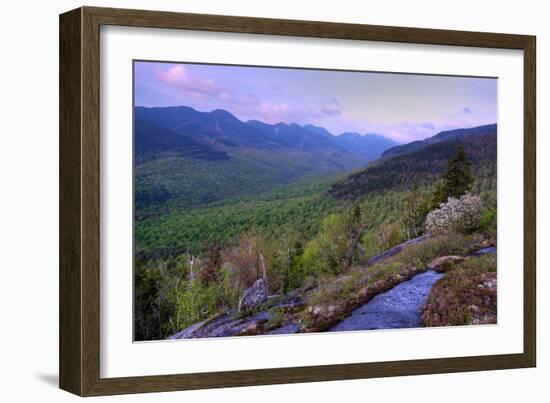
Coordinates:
79	346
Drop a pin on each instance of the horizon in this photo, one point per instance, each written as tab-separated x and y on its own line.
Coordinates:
362	134
385	104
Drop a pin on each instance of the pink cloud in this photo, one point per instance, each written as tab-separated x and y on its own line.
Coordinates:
282	112
253	107
249	105
180	77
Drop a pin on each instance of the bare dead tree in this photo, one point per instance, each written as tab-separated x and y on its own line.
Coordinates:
286	241
264	270
191	262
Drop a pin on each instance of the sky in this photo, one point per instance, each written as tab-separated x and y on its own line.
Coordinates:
403	107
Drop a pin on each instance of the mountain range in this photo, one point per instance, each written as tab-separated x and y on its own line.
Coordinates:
194	158
219	129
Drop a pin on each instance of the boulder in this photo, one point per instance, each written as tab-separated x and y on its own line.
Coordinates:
322	317
480	243
443	263
254	296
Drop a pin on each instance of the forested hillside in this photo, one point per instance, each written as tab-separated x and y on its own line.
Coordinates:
423	164
299	206
457	134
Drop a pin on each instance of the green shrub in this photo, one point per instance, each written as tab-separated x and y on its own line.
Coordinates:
370	246
311	261
196	302
277	318
484	263
334	248
488	223
331	288
389	235
421	254
327	251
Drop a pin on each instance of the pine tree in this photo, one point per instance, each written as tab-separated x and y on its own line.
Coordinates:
458	178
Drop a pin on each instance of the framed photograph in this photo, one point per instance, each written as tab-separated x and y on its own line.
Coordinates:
249	201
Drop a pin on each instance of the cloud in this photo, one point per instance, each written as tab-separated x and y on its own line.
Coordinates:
181	78
283	112
270	112
208	93
250	106
328	111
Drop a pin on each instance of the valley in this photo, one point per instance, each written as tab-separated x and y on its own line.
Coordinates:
185	158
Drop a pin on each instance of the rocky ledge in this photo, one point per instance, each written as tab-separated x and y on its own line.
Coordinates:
322	317
288	313
276	315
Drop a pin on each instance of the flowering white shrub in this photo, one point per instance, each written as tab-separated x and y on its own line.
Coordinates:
456	215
